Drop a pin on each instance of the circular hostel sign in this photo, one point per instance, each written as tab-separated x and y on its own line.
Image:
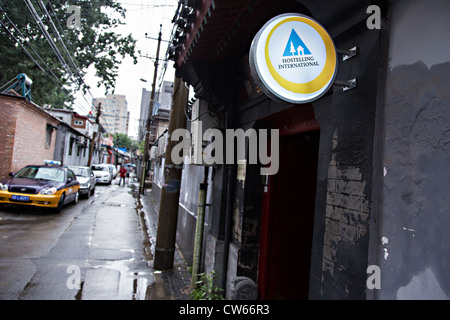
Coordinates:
293	58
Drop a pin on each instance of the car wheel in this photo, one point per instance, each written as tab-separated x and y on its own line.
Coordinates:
60	204
93	191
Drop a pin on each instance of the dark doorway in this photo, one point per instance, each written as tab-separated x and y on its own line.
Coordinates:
288	218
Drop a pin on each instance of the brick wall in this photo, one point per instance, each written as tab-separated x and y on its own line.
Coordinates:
7	129
24	133
347	208
346	224
30	145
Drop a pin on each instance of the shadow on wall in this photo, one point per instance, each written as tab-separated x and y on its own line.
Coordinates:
416	201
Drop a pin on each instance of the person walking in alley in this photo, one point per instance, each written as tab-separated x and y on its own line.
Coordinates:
122	174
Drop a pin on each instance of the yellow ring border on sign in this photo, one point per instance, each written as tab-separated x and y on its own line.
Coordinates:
323	78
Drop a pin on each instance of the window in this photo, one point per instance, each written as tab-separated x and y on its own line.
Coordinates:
82	172
71	175
41	173
71	143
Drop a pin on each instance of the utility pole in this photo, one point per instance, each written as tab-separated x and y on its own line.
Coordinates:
170	193
150	117
94	136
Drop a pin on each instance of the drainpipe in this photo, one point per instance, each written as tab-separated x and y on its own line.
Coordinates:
170	193
199	229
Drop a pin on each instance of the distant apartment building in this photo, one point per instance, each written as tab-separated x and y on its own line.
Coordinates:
145	103
115	116
160	111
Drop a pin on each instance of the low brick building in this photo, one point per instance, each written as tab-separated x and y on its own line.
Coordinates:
27	133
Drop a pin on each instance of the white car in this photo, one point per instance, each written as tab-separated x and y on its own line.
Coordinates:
86	178
102	173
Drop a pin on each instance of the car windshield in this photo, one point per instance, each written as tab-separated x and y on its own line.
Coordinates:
41	173
100	168
81	172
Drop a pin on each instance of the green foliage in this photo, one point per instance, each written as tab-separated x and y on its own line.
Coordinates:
93	44
205	289
122	140
142	146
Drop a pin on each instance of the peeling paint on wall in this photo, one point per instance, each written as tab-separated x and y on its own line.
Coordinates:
422	286
415	201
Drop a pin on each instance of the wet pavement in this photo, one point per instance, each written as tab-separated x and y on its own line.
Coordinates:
99	249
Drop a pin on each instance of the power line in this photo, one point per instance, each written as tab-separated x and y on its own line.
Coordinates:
47	36
9	82
58	36
55	30
22	35
50	40
36	63
53	77
142	7
66	52
54	46
172	35
86	87
122	3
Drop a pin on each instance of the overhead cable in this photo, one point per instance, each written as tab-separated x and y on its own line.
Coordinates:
47	36
58	35
54	79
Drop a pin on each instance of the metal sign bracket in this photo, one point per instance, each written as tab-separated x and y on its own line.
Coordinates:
348	54
347	85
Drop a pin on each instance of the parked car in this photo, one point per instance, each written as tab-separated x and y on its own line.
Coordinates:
47	186
86	178
102	173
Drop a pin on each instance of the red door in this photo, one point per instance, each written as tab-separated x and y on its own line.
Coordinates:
288	218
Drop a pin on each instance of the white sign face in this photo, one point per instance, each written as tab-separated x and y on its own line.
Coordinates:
293	58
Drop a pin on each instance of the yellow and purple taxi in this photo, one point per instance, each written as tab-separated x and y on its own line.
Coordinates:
49	186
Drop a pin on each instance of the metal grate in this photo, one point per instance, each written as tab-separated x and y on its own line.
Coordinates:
27	190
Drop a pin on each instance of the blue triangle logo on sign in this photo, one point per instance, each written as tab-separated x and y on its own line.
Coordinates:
295	46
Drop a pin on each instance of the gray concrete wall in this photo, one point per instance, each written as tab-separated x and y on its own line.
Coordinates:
412	239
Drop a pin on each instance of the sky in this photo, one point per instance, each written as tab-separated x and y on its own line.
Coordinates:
142	16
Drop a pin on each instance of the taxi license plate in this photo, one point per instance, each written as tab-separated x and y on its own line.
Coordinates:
20	198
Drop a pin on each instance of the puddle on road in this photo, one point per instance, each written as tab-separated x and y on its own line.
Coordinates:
157	290
132	279
145	288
